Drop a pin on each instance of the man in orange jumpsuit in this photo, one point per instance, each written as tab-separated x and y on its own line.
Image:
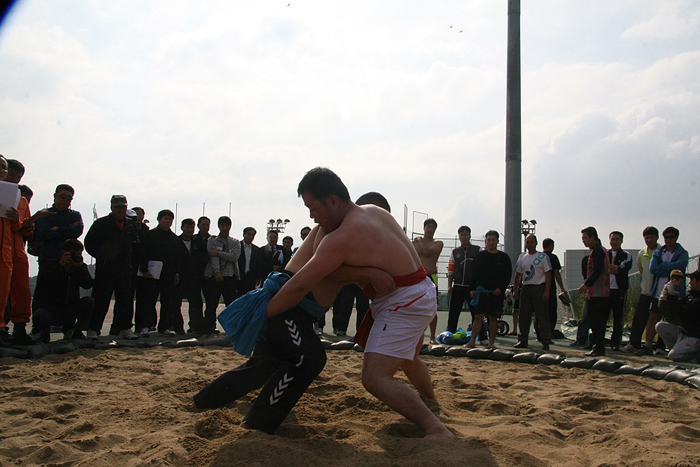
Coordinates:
9	224
20	295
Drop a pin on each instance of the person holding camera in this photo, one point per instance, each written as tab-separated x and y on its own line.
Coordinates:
57	300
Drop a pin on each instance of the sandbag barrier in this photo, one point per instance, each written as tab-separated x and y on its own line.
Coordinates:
66	346
675	373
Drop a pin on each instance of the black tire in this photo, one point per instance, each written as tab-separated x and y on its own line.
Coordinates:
503	327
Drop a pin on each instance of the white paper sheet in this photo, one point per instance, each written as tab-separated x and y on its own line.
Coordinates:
9	197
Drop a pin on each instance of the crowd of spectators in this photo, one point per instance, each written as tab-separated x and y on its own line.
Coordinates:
138	267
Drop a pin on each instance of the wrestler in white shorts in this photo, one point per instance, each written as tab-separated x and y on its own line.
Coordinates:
400	319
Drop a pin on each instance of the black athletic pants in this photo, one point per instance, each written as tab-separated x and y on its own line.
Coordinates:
284	363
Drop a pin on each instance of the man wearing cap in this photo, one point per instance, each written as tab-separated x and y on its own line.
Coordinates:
110	241
683	337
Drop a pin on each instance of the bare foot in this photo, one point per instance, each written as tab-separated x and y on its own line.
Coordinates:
470	345
432	341
491	346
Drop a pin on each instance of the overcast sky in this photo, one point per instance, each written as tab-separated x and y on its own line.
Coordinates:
232	102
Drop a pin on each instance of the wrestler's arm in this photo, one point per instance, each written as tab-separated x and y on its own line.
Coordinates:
363	275
328	257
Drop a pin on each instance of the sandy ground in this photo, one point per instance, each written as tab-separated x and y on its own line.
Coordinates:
132	407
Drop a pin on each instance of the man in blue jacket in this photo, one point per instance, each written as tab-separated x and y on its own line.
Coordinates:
664	260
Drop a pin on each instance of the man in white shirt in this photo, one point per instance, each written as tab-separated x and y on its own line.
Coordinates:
534	272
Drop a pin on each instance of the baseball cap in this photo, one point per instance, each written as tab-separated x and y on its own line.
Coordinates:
118	200
677	273
694	275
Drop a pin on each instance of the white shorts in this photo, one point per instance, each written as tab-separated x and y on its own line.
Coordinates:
400	319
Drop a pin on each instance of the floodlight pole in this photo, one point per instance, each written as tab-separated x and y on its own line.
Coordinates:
513	136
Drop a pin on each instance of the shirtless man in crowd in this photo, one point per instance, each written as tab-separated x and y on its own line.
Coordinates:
368	236
429	250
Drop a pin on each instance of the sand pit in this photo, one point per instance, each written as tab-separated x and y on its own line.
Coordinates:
131	407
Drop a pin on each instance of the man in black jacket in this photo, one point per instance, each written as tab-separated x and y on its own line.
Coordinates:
57	295
491	271
110	241
160	267
683	339
249	263
620	265
459	278
193	260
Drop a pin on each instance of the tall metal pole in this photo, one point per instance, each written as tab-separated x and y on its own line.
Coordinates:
513	135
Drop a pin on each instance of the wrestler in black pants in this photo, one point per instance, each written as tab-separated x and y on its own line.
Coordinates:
598	314
284	363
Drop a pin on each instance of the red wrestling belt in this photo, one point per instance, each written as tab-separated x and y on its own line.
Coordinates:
362	333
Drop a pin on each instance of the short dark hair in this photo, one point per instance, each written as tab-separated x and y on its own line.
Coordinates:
372	197
188	221
492	232
224	220
430	220
547	242
321	183
591	232
671	230
617	232
306	227
203	218
650	230
64	187
464	228
248	229
72	244
138	208
26	191
165	212
287	237
274	231
14	164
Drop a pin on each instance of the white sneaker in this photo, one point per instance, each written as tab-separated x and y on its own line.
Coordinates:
92	335
128	334
145	332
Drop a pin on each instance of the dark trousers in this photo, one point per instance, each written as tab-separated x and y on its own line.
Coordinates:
190	289
284	363
459	296
147	295
584	326
342	307
640	318
75	316
213	291
598	314
531	302
108	282
245	285
617	306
